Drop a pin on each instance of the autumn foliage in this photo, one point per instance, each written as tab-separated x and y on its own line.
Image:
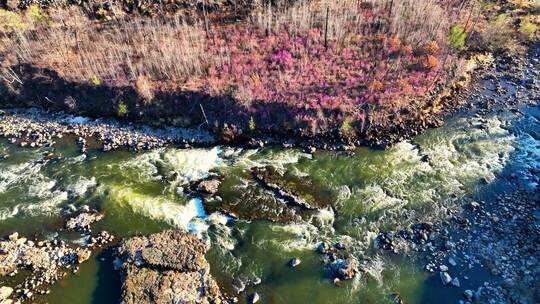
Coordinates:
323	63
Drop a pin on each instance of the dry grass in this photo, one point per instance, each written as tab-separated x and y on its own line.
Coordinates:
413	21
171	50
116	53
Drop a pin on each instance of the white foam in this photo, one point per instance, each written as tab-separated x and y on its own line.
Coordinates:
145	164
218	218
11	175
375	268
188	164
6	213
277	158
80	187
159	208
198	227
324	217
300	237
193	164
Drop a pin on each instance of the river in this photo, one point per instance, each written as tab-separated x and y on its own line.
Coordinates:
365	191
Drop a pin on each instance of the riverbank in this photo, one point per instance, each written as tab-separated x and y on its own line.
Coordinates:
36	127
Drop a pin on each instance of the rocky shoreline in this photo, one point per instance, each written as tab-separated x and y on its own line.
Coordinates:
35	128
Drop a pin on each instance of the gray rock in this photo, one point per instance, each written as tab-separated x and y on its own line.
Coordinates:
83	221
445	278
468	294
5	292
455	282
345	269
254	298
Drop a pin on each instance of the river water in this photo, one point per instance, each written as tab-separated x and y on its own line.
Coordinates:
252	233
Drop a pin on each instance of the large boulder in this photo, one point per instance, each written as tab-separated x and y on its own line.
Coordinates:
167	267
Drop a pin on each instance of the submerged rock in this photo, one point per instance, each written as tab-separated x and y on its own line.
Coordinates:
295	262
468	294
296	191
167	267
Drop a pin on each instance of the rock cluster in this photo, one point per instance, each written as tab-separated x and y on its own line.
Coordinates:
83	221
46	260
167	267
339	264
418	233
209	186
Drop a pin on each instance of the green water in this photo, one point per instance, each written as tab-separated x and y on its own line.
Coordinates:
365	192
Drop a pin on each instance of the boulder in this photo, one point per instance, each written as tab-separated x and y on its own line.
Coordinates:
5	292
210	186
168	249
445	278
295	262
345	269
167	267
83	255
